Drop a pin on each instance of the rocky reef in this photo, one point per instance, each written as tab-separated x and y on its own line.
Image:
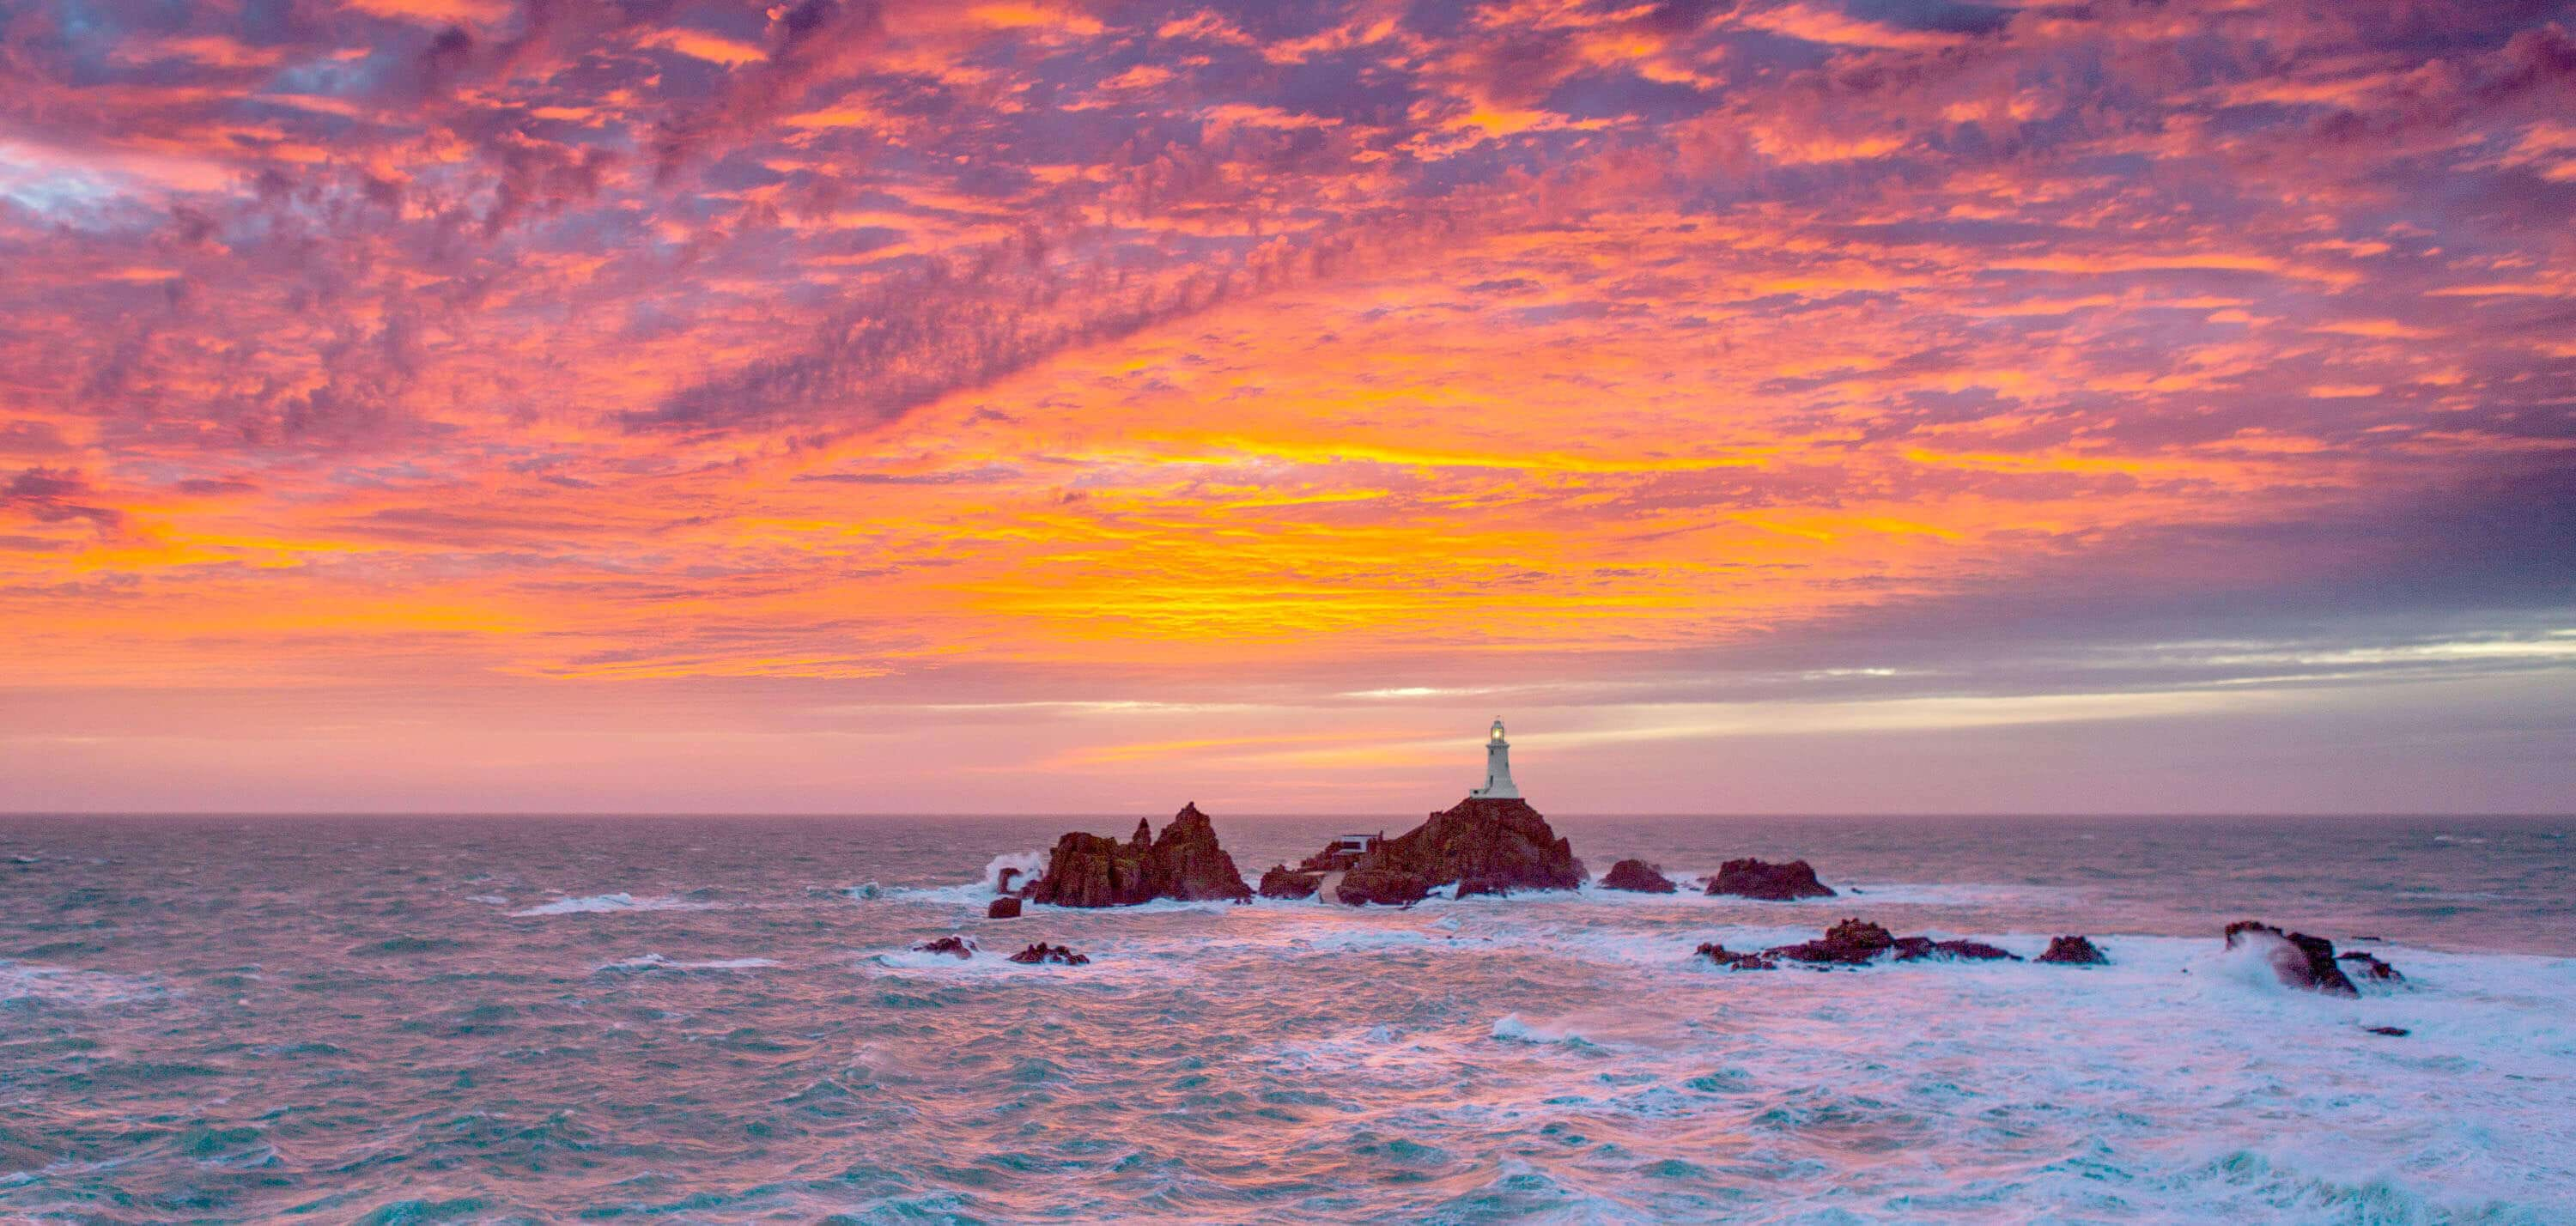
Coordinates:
1853	942
1639	877
1750	878
2299	960
1494	845
1185	862
954	946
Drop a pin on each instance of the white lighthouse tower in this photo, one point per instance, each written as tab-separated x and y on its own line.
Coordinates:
1498	767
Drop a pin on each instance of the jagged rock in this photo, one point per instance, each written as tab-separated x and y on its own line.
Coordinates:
1852	942
1002	880
957	946
1093	870
1003	908
2074	951
2372	968
1639	877
1187	863
1483	883
1043	952
2300	960
1734	961
1284	882
1496	842
1750	878
1385	887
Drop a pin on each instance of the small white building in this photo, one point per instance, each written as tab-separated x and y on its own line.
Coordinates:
1498	767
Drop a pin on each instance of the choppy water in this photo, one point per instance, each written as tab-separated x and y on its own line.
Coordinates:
717	1019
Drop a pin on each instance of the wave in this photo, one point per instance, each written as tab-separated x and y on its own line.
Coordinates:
981	891
35	983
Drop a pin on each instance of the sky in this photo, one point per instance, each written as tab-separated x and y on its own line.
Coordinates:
1091	406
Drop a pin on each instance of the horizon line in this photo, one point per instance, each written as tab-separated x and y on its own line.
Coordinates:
2515	814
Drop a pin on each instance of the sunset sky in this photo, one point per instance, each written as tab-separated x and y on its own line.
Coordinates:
1017	406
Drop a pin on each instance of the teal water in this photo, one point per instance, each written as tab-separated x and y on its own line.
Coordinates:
719	1019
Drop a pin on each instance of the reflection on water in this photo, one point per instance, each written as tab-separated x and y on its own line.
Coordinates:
719	1019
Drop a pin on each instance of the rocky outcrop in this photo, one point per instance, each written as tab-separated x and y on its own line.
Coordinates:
2299	960
2370	967
1853	942
1496	843
1192	866
1637	876
2394	1032
2074	951
1284	882
1734	961
1185	862
1384	887
1045	953
1003	908
955	946
1004	881
1749	878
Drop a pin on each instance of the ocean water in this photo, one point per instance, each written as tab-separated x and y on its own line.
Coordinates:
720	1019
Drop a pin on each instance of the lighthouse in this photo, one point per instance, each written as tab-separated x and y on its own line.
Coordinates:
1498	767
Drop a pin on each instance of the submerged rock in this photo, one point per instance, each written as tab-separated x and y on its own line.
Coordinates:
1492	841
2397	1032
1915	949
1185	863
957	946
2299	960
1284	882
1384	887
1750	878
1734	961
1003	908
1639	877
1043	952
2074	951
2370	967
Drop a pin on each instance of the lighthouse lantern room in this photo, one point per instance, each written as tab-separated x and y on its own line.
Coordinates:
1498	766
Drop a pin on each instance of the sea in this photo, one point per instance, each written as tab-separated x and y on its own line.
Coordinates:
713	1019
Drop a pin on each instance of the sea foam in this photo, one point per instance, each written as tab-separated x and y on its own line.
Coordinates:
598	904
